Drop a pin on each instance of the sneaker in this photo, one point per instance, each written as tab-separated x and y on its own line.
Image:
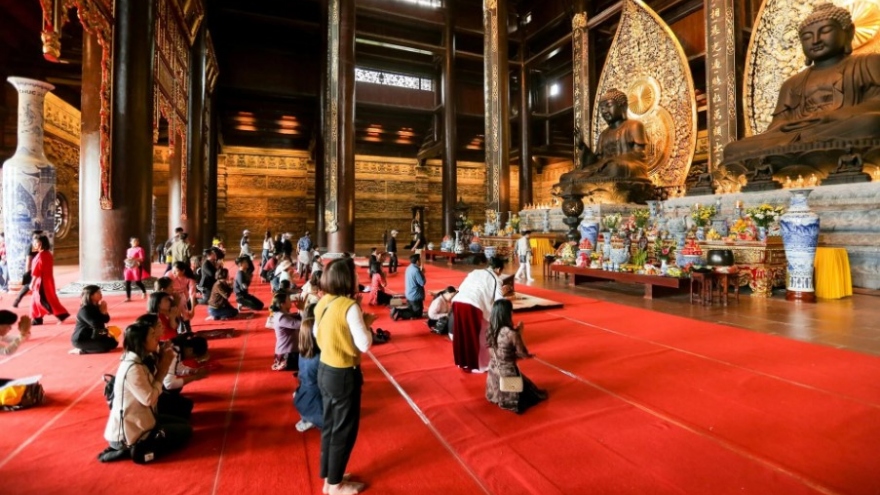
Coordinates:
531	279
303	425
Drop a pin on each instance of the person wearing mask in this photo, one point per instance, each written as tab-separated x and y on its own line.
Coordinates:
415	291
91	335
342	333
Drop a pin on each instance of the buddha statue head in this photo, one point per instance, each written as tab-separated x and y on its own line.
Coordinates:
613	106
826	34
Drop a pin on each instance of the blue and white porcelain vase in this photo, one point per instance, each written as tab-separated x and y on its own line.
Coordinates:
28	179
589	227
800	235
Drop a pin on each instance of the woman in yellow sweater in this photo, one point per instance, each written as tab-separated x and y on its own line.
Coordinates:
342	332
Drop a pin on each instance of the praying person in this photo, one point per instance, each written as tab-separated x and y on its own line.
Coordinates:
505	344
287	328
243	298
439	311
415	290
90	334
471	309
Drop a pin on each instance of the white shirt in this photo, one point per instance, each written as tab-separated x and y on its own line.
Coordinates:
174	379
360	333
135	393
523	248
440	308
481	288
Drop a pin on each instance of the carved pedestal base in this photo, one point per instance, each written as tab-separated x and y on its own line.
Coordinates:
846	178
807	297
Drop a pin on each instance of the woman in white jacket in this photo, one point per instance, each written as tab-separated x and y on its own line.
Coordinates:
133	420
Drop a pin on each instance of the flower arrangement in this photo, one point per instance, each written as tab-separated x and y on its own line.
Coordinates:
665	253
765	214
641	217
611	222
640	257
514	222
702	215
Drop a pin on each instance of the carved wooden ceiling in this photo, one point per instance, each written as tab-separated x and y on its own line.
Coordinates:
269	54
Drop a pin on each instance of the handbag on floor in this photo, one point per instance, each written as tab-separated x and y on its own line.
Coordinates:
510	383
21	393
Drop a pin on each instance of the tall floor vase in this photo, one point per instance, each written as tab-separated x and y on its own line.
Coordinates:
800	235
28	179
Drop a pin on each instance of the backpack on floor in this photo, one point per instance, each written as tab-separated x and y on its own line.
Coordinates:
21	394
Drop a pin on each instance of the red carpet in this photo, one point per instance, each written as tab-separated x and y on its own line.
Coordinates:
640	402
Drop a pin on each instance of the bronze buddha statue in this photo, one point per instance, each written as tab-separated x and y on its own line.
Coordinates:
619	166
828	108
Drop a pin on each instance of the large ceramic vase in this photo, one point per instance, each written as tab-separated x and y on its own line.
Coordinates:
589	227
28	179
800	234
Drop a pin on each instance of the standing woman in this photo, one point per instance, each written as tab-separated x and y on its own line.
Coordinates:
136	268
90	335
268	248
44	300
342	333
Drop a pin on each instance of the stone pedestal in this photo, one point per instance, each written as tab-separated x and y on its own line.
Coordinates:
28	179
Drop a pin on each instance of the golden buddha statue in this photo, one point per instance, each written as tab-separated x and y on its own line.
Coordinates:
619	169
825	110
621	149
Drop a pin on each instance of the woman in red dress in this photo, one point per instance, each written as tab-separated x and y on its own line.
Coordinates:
44	300
136	268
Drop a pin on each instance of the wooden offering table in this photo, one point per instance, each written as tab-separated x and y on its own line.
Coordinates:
433	254
761	265
655	285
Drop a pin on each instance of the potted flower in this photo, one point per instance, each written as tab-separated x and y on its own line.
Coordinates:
763	216
664	254
702	216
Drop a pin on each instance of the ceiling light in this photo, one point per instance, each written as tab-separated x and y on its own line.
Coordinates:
554	89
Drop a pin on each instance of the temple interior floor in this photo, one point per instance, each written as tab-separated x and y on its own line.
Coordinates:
851	323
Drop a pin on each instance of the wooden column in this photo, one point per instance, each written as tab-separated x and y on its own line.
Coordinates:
496	93
211	213
319	153
580	41
104	233
721	43
195	139
175	196
450	136
526	193
339	133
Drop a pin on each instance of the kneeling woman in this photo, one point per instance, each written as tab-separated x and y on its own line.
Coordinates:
505	345
90	335
133	416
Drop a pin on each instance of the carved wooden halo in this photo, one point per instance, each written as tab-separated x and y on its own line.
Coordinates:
643	96
660	91
866	17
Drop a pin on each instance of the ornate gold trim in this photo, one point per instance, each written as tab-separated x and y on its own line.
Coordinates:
580	42
662	58
331	132
492	108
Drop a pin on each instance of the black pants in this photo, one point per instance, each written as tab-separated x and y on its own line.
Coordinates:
140	285
173	403
341	396
97	345
176	433
249	301
414	309
439	326
392	263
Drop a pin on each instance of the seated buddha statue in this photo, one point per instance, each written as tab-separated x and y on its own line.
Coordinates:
621	151
831	106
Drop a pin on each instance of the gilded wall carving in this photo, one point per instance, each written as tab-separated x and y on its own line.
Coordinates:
656	77
775	52
61	144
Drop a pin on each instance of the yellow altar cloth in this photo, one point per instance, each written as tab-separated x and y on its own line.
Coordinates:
833	276
540	247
